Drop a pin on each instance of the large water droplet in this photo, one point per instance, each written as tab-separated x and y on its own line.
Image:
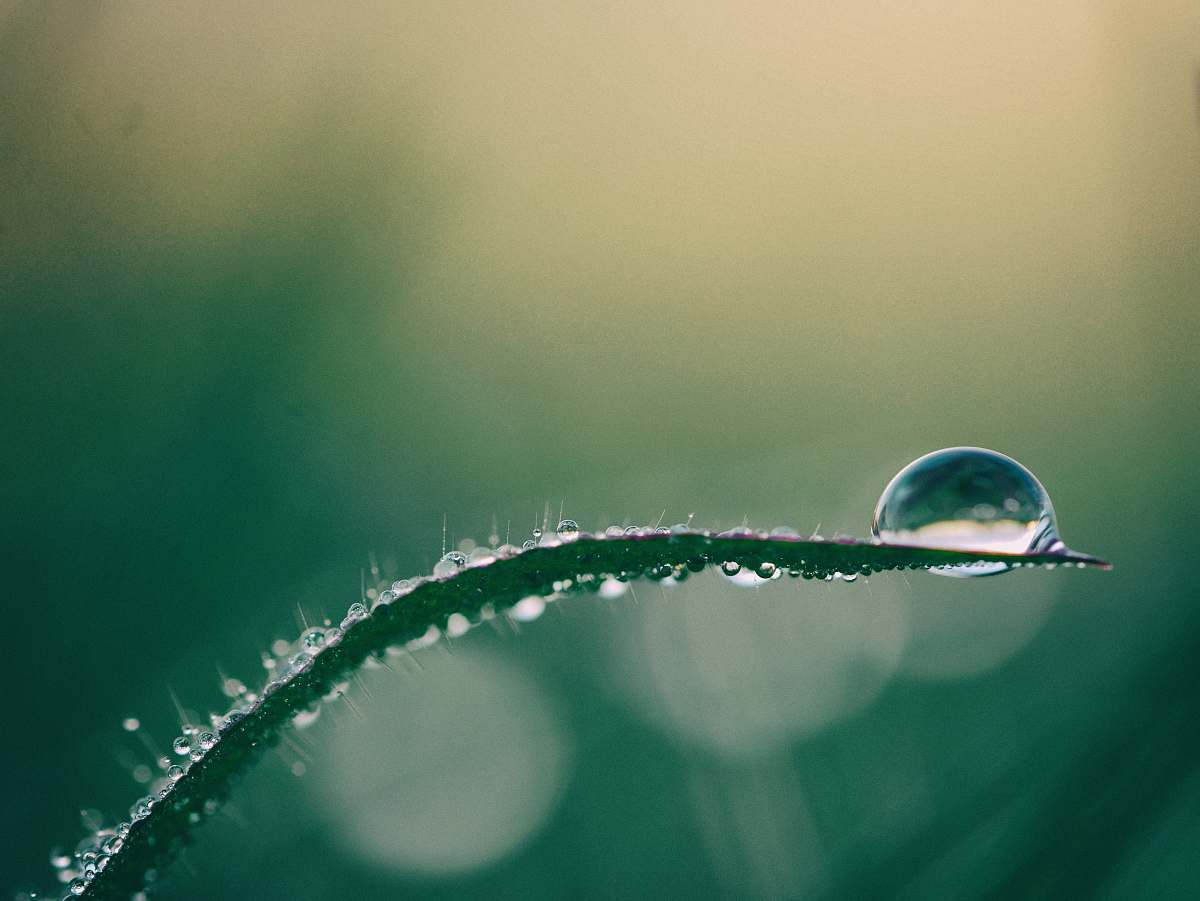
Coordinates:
968	499
568	530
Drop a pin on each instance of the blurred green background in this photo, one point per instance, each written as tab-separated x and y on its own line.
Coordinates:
283	285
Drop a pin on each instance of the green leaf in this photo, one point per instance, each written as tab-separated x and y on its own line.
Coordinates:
477	591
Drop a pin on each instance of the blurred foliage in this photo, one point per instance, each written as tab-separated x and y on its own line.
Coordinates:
280	289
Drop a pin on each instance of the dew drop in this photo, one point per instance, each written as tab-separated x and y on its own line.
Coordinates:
312	640
612	588
175	772
481	556
731	568
568	530
970	499
451	563
766	570
527	609
131	724
457	625
181	745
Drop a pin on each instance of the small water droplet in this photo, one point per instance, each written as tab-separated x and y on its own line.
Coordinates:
313	640
77	887
527	609
451	563
731	568
612	588
181	745
481	556
967	498
457	625
428	640
568	530
766	570
175	772
306	718
131	724
59	859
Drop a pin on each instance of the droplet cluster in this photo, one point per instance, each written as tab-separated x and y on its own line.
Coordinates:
602	563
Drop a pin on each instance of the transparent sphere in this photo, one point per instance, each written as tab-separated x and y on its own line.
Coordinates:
967	499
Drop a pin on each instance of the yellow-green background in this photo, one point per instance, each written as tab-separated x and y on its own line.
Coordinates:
282	285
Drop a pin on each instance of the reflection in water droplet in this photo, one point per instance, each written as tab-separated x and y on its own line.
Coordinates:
568	530
967	498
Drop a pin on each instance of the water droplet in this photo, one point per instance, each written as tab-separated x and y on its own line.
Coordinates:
131	724
306	718
481	556
537	533
451	563
312	640
181	745
527	609
568	530
175	772
967	498
77	886
59	859
612	588
731	568
457	625
428	640
766	570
